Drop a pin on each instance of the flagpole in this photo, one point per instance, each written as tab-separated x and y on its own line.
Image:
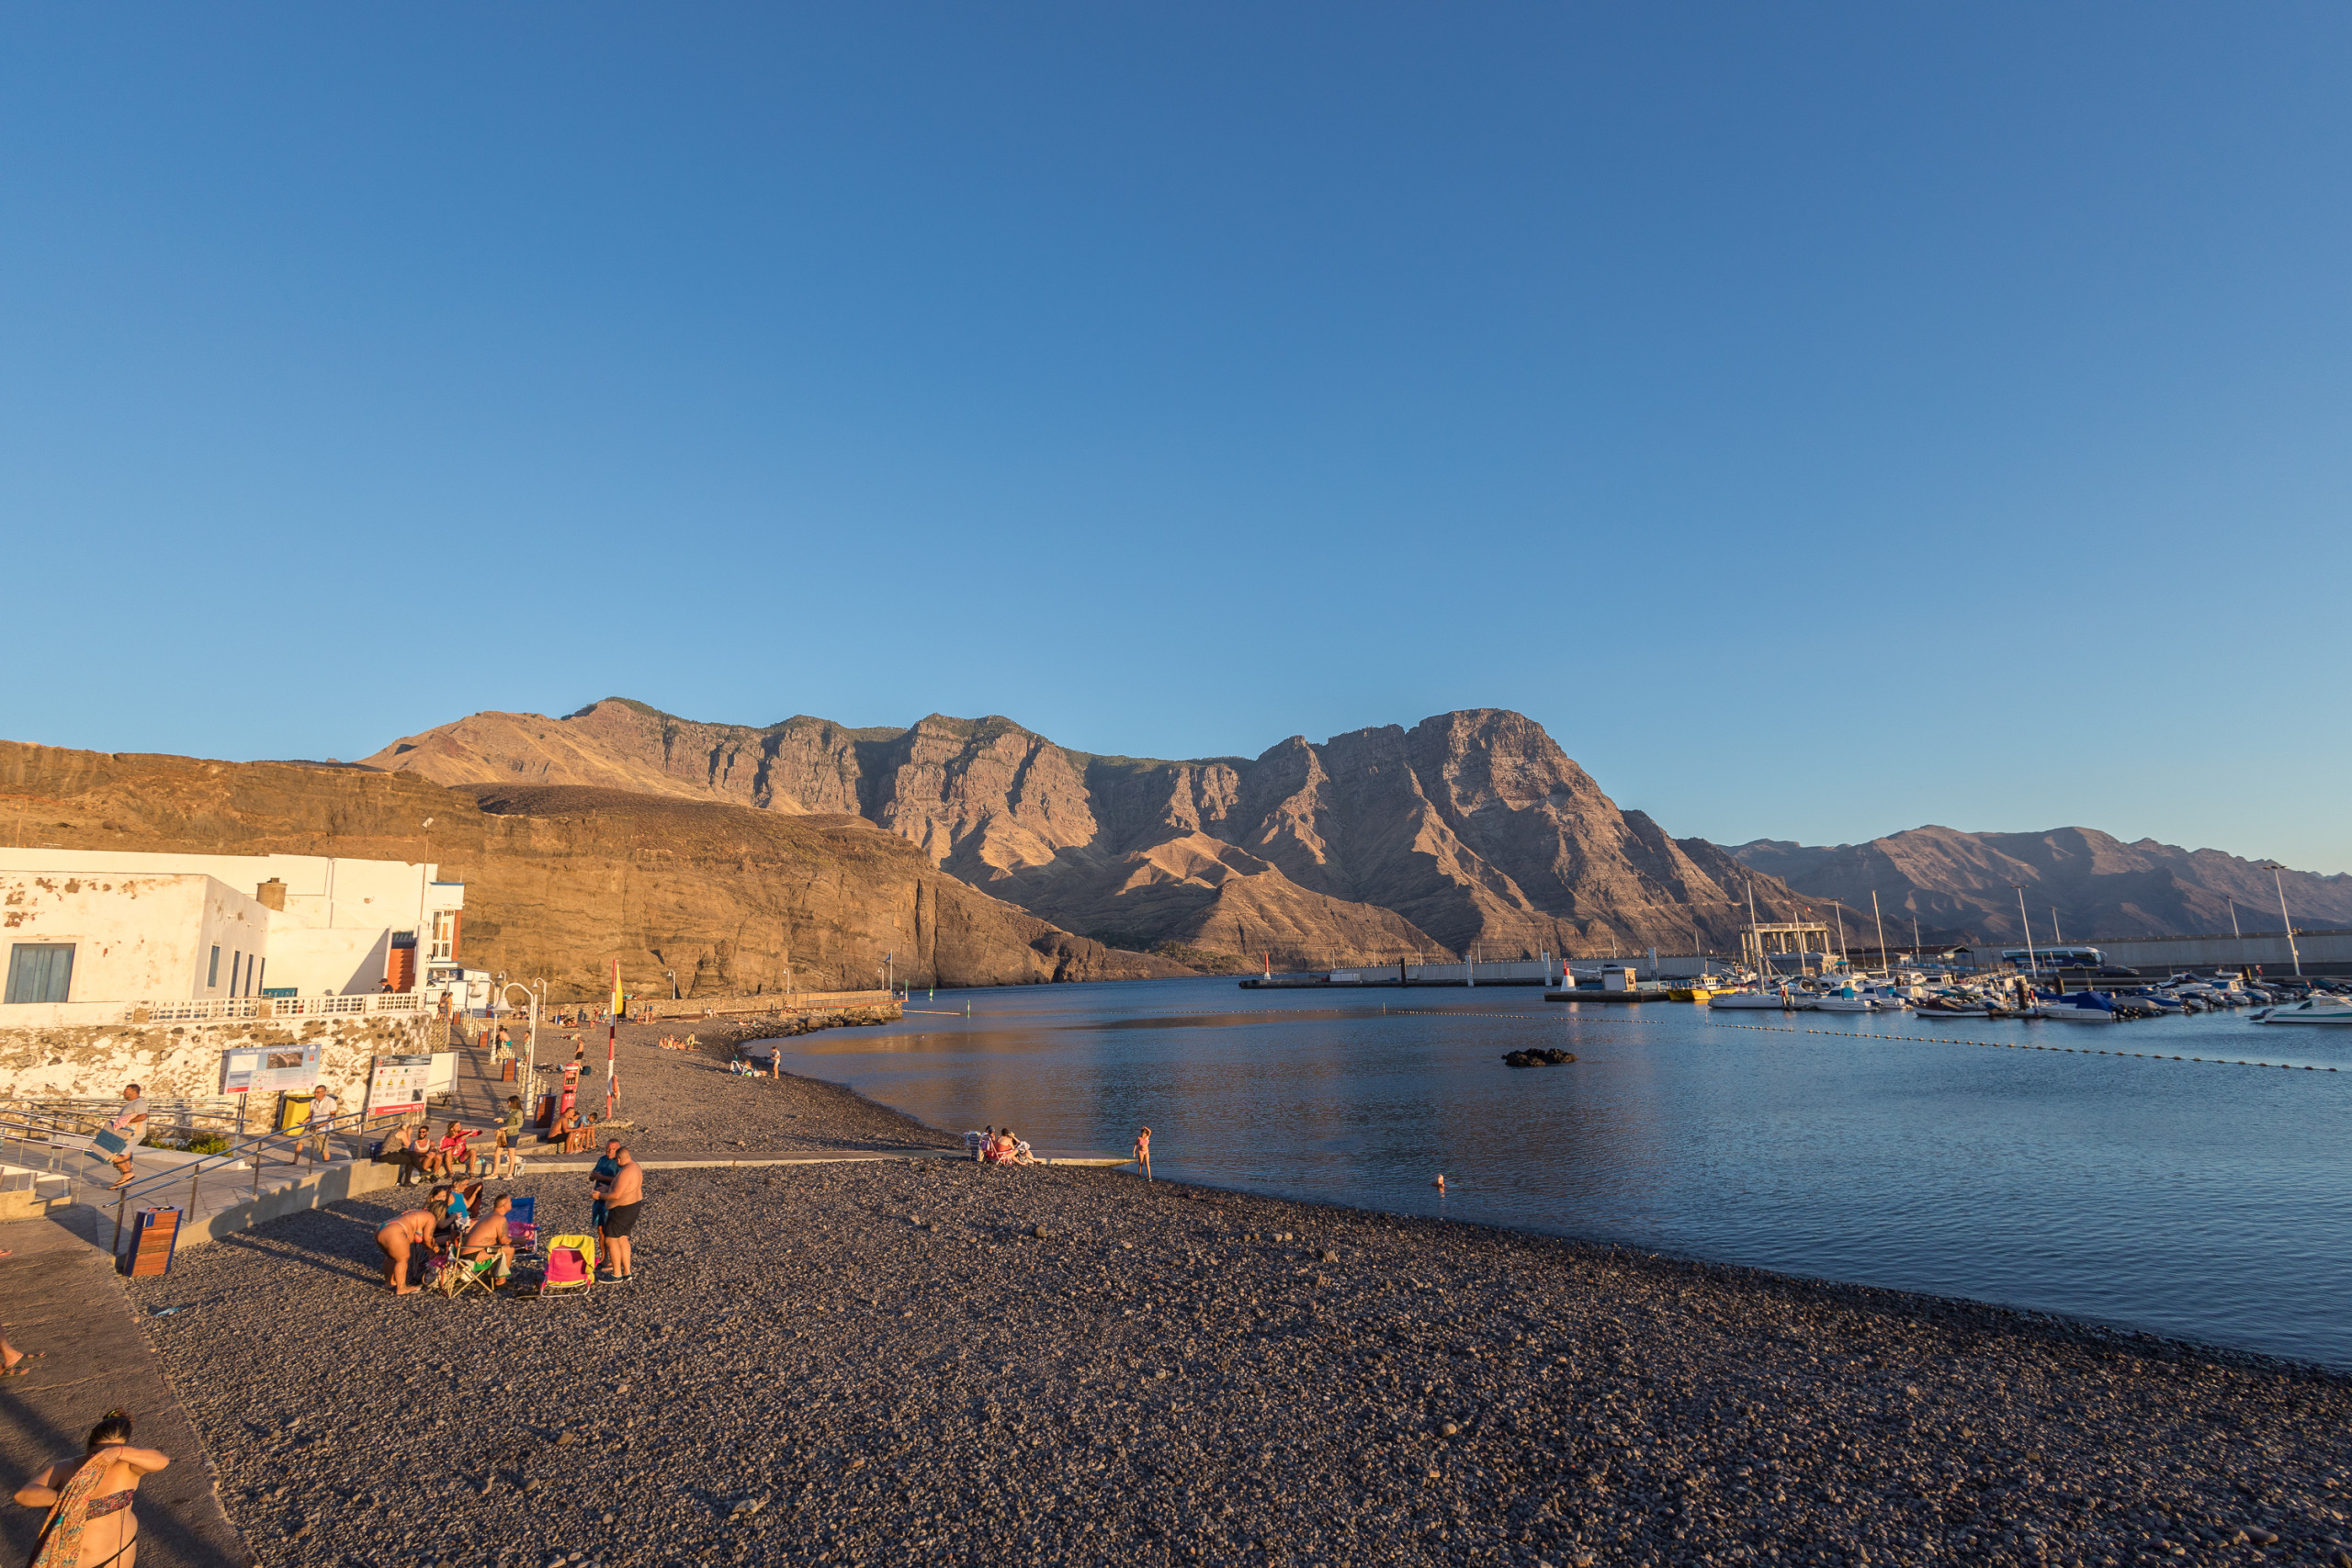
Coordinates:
612	1047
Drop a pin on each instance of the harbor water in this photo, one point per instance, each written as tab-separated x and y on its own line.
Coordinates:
2001	1161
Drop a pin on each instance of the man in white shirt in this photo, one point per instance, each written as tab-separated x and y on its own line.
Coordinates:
325	1109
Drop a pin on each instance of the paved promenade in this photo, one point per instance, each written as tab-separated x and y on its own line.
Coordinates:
59	1294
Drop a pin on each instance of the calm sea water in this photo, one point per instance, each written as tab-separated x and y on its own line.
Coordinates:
2206	1200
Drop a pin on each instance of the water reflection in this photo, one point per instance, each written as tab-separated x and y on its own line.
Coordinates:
2188	1197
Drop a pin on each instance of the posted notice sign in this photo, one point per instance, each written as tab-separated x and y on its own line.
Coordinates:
398	1084
271	1069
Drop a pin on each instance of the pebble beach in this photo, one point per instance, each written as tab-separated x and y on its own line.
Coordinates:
925	1359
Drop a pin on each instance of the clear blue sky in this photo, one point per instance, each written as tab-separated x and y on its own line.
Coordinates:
1766	399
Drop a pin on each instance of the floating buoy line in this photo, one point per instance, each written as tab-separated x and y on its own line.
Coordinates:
1471	1015
2014	1046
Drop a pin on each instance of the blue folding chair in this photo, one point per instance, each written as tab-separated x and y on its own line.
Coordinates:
522	1226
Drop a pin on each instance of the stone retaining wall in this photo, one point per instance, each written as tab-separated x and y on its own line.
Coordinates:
183	1060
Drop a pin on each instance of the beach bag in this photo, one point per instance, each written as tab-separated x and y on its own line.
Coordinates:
112	1142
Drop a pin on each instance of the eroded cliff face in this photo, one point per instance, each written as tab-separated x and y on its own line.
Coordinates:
1469	830
561	879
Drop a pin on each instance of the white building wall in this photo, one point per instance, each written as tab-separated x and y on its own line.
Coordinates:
138	938
331	937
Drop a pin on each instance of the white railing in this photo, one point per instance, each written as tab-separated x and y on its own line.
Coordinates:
276	1007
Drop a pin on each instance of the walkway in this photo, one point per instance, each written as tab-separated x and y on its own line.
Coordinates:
59	1294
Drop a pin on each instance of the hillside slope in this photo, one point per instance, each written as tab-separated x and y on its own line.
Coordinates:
1958	882
562	879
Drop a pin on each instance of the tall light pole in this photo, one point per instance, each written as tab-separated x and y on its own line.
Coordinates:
2274	868
2031	964
529	1085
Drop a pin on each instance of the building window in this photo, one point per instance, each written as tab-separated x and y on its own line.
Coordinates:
445	936
40	972
212	971
236	962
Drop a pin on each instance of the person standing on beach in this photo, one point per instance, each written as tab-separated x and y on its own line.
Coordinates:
90	1524
1143	1152
600	1186
622	1201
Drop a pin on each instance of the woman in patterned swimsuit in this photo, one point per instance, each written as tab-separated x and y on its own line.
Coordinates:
90	1523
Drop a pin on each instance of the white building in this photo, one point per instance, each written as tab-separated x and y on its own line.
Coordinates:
115	926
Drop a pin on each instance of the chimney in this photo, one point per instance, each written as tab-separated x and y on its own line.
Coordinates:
272	894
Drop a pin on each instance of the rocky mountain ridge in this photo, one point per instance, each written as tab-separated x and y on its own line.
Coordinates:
2080	885
1469	831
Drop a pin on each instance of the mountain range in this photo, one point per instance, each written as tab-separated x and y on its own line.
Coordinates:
2078	884
1471	831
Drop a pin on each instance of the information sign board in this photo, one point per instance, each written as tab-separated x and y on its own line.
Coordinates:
271	1070
398	1084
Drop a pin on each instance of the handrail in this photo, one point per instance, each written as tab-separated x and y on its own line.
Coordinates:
253	1144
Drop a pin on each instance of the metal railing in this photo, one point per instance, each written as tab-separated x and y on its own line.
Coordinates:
70	1131
352	1126
277	1006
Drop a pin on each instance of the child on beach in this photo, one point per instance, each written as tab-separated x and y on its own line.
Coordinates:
1143	1152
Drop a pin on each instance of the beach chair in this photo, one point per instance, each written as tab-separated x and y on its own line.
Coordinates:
522	1226
461	1276
570	1266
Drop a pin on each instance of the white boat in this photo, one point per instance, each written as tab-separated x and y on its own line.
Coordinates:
1845	999
2075	1012
1748	1000
2318	1009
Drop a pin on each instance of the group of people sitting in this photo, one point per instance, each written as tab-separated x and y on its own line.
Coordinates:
998	1147
422	1157
672	1043
454	1222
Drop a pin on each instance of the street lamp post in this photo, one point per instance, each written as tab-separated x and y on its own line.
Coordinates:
2274	868
530	1085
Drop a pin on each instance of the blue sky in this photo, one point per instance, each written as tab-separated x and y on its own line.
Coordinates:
1781	404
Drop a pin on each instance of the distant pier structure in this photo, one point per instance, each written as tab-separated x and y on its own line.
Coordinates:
1783	947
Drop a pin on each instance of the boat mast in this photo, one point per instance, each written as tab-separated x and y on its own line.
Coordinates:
1881	932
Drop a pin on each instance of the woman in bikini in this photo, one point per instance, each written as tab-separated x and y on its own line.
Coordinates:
403	1236
1143	1152
90	1523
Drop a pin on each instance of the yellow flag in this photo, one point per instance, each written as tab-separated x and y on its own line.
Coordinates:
617	987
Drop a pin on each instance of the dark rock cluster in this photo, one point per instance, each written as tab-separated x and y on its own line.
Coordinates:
1550	1057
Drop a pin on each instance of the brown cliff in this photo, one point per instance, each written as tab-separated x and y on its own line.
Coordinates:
561	879
1471	830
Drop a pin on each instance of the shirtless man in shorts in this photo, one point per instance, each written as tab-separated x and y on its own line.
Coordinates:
622	1200
410	1231
488	1234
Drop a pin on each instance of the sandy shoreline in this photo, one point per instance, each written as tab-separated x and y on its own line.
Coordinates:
934	1361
